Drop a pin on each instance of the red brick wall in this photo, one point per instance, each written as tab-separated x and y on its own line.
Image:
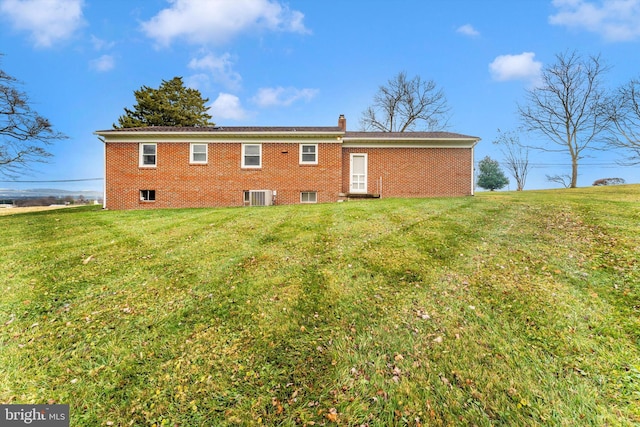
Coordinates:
414	172
405	172
221	181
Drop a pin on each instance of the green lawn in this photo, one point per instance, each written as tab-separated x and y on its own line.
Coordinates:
499	309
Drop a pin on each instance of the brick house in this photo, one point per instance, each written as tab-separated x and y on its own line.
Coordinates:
164	167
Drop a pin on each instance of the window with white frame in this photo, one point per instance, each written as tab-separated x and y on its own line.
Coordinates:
251	155
148	156
309	154
198	153
147	195
308	197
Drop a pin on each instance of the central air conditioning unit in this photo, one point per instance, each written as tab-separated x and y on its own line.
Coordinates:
260	197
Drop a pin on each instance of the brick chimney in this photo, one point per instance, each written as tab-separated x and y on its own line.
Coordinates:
342	123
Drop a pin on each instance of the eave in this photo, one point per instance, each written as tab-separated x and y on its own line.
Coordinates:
367	142
220	136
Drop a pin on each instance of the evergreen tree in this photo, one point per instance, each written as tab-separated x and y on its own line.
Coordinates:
172	104
491	176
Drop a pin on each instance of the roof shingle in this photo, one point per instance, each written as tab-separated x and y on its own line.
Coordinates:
407	135
225	129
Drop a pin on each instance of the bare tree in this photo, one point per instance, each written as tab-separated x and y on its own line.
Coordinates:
407	104
24	134
624	111
516	156
564	180
568	107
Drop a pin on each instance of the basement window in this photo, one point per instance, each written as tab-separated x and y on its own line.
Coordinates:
147	195
309	197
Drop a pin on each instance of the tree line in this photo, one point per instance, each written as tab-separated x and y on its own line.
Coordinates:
47	201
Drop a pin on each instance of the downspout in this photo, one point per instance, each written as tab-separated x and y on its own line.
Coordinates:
473	170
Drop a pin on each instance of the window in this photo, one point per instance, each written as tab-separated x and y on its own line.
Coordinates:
309	154
148	155
251	155
308	197
198	153
147	195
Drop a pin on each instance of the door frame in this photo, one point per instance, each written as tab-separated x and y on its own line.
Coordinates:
366	172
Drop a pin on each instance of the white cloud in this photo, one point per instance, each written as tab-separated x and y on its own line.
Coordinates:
468	30
282	97
99	44
219	68
227	106
48	21
615	20
216	22
103	64
201	82
516	67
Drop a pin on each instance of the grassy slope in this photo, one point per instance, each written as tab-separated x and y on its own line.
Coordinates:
503	309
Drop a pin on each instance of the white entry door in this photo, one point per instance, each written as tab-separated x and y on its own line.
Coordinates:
358	181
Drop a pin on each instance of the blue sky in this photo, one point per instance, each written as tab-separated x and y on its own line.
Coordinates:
300	62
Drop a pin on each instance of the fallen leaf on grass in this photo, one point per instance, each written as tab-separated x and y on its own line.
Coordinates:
87	260
580	371
278	405
332	416
423	315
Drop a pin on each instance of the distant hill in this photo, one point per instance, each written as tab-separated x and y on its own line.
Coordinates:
6	193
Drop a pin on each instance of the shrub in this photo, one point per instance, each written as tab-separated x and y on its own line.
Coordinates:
608	181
